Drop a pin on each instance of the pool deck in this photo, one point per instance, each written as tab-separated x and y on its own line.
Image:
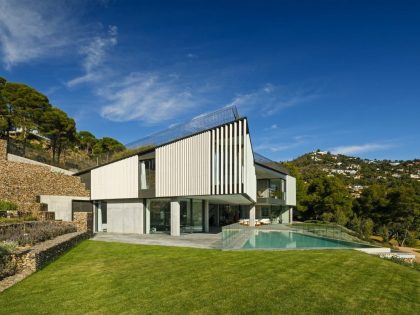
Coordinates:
197	240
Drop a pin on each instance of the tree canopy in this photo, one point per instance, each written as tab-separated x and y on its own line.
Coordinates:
25	109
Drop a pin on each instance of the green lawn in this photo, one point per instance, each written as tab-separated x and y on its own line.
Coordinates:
111	278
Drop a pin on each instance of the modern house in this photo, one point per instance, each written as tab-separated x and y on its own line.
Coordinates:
194	177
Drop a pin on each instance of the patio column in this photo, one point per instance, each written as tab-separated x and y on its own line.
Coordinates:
206	216
252	215
175	218
147	217
141	216
290	215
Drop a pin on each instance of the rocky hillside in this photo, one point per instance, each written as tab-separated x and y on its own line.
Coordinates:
355	172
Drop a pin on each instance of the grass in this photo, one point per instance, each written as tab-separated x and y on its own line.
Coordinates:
112	278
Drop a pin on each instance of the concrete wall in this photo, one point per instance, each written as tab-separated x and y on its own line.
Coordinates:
60	205
290	190
118	180
125	216
285	217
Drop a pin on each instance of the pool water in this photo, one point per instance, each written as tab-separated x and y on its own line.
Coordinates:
294	240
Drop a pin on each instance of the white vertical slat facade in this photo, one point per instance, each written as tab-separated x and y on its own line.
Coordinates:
233	167
183	168
230	160
217	162
118	180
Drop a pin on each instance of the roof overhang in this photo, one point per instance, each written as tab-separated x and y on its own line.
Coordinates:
264	172
237	199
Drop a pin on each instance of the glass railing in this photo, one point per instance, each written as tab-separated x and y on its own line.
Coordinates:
234	236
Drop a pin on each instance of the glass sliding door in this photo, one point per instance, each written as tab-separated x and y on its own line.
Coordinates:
101	218
186	216
197	216
160	216
192	216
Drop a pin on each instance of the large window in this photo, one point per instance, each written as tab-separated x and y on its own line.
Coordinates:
147	174
160	216
192	219
271	188
277	188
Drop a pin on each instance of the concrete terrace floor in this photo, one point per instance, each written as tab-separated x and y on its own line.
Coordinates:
196	240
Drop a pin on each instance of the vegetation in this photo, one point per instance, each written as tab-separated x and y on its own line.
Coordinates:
7	247
26	114
111	278
7	205
35	232
7	265
369	197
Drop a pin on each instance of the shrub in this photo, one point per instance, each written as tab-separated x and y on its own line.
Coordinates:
327	216
7	264
414	265
7	205
411	239
35	232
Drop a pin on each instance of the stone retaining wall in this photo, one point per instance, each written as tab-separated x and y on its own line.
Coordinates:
83	221
3	150
22	183
36	257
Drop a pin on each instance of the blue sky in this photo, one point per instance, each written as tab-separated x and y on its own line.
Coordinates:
337	75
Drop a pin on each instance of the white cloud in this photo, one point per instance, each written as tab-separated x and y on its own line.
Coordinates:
191	56
272	98
149	98
95	54
35	29
355	149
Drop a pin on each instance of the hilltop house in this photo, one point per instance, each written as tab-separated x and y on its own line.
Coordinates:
193	177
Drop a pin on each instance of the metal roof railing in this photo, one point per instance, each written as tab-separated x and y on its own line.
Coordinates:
200	123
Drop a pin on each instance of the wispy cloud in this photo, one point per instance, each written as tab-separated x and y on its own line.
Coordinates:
35	29
151	98
363	148
272	98
95	54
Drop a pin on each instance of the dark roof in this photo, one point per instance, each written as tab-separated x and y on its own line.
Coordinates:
266	162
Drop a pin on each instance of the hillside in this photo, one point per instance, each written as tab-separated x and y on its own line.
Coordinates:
357	173
378	197
38	130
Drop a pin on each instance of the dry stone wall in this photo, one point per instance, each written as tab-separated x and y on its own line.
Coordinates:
22	183
83	222
30	260
3	150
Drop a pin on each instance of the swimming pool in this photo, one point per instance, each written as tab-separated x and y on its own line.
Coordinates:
293	240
